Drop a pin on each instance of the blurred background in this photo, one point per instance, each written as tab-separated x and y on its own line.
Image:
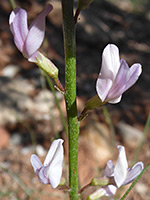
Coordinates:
30	116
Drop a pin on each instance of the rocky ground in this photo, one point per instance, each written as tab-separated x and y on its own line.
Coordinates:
30	119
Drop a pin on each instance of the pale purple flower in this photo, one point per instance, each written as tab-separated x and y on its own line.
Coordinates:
120	174
28	40
115	75
50	172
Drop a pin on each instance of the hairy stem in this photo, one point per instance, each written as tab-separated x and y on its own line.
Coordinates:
70	95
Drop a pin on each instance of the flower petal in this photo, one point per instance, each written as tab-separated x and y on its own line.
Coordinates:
109	70
36	32
36	163
18	26
11	19
110	62
119	84
55	170
134	73
42	175
113	101
109	169
55	146
110	190
102	87
53	163
133	172
120	170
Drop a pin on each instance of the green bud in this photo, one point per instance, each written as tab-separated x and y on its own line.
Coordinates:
46	65
82	4
103	181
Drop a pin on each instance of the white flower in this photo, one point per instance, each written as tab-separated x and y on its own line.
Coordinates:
50	172
115	76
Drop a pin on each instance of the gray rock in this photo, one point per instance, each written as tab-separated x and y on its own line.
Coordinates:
14	100
16	104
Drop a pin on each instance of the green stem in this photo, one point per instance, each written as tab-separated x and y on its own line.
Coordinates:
70	95
134	182
146	129
13	5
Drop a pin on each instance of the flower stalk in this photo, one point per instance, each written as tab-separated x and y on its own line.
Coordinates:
70	94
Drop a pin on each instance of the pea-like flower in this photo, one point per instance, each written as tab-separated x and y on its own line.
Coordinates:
115	75
28	40
50	172
118	174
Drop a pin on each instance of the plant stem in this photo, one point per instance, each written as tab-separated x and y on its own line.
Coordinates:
13	5
146	129
70	95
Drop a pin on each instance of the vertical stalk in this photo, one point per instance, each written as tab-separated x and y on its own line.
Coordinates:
70	94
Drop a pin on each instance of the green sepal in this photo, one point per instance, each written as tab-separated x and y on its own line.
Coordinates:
103	181
46	65
94	102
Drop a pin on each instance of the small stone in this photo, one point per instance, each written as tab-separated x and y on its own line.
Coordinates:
141	188
10	71
131	136
40	150
16	139
26	150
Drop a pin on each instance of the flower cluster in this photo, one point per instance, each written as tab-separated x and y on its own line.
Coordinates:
114	79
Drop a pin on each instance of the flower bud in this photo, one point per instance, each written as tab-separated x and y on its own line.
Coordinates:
103	181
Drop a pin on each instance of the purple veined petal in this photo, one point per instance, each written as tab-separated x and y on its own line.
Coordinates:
11	19
109	70
36	33
19	27
34	57
119	83
110	190
102	87
55	170
134	73
110	62
109	169
36	163
133	172
120	170
42	175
